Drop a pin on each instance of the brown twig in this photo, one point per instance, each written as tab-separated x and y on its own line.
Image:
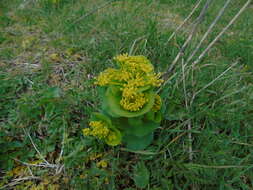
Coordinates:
208	31
19	180
187	108
193	30
185	20
213	81
222	32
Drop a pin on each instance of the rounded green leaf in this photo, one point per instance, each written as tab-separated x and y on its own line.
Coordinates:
150	115
154	116
141	175
141	129
101	117
112	102
135	121
137	143
114	138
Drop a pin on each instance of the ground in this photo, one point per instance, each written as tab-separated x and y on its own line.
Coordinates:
50	52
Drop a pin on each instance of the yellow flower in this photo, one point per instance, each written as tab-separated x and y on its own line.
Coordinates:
158	103
147	68
134	74
97	129
103	130
106	180
105	77
86	131
123	75
154	79
129	92
134	103
132	68
102	164
121	58
113	138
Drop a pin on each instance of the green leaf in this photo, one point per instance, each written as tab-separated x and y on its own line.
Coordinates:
137	143
53	92
140	128
154	116
158	117
9	165
150	115
101	92
96	116
141	175
112	103
135	121
50	94
121	123
105	106
117	140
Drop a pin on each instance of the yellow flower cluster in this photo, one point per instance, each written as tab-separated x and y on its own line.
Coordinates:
134	103
106	77
101	130
111	137
134	73
102	164
97	129
158	103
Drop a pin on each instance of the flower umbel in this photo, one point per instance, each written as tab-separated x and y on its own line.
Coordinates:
97	129
133	103
134	74
103	129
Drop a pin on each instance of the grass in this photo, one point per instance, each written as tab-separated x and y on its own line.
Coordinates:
46	91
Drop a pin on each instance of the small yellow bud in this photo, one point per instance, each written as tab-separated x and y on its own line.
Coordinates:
158	103
86	131
102	164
